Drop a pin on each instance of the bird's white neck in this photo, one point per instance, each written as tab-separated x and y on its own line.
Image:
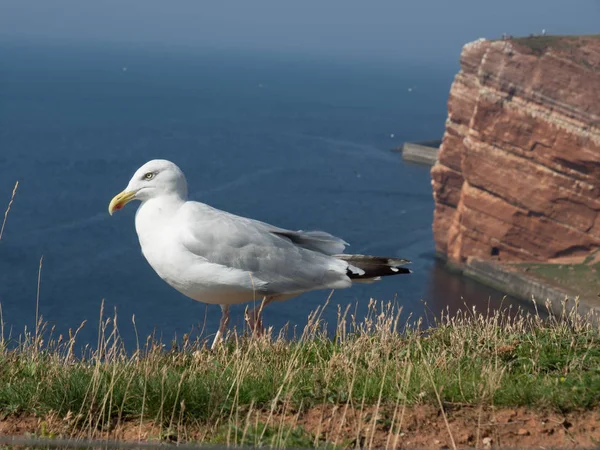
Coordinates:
154	212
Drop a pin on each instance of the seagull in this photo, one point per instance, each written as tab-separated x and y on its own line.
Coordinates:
216	257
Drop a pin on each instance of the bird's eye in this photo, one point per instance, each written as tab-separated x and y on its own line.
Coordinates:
149	176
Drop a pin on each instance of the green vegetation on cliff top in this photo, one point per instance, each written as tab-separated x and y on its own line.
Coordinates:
576	48
376	364
580	279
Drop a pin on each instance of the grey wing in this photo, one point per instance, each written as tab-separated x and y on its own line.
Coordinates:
285	261
318	241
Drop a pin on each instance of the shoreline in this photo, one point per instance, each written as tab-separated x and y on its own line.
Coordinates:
519	285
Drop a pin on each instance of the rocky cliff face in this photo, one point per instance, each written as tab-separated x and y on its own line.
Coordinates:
518	177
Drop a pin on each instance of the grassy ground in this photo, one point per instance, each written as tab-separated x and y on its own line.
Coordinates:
251	389
540	44
579	49
581	278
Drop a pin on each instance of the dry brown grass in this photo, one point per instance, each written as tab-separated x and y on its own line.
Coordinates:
259	391
12	199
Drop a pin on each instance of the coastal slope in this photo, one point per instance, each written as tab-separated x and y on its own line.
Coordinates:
518	175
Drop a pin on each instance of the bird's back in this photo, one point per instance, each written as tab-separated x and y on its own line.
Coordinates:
287	261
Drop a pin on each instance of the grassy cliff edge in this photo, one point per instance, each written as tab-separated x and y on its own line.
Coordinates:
260	391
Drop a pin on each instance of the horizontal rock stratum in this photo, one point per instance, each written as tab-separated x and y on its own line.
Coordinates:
518	176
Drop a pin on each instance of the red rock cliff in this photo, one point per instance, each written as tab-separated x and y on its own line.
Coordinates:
518	176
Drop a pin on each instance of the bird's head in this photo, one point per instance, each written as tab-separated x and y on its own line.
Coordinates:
154	179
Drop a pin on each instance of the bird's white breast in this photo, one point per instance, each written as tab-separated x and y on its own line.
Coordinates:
160	232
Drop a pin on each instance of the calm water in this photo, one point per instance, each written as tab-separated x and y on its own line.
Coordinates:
298	143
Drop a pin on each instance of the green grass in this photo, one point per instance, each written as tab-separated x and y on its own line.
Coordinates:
567	46
582	279
540	44
242	392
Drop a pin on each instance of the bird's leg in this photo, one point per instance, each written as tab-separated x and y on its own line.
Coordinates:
222	326
254	317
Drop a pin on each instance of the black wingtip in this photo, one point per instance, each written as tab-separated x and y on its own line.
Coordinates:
374	266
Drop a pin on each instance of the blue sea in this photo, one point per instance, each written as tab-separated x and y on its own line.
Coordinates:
299	142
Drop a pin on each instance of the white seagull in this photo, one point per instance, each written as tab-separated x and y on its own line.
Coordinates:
216	257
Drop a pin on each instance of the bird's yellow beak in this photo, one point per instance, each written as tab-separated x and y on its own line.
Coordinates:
119	201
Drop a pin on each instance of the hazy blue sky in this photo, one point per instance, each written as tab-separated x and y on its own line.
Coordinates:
394	29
